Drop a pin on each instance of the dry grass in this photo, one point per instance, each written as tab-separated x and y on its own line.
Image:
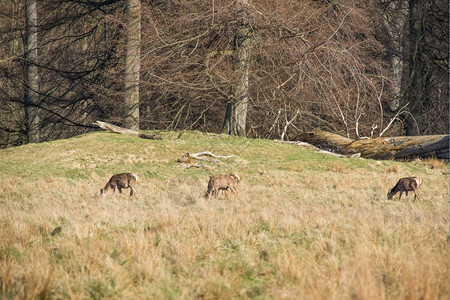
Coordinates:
393	169
436	164
312	234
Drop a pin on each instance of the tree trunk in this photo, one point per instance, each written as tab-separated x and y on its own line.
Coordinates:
227	123
395	20
417	80
240	106
133	63
32	80
236	117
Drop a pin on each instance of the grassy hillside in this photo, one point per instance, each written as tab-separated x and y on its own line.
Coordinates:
304	226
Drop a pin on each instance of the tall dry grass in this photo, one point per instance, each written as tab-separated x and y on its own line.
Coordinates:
324	234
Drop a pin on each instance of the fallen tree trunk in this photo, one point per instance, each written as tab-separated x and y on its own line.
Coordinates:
399	148
187	159
121	130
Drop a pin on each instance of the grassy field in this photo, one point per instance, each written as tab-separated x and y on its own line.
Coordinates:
304	226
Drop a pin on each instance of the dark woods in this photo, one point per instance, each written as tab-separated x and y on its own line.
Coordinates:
268	69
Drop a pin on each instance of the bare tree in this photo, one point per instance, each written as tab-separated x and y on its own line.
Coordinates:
415	33
317	59
394	16
417	70
237	107
268	68
32	82
132	65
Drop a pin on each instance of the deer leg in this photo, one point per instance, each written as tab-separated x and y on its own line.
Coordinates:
234	190
132	191
400	197
120	189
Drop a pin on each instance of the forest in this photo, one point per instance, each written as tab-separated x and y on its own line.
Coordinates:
259	69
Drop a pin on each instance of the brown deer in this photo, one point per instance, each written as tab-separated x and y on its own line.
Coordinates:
186	158
222	182
406	185
120	181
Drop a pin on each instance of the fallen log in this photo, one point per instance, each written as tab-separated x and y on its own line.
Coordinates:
121	130
189	157
398	148
208	153
187	160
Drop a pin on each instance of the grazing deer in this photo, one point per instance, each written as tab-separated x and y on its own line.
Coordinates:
222	182
120	181
406	185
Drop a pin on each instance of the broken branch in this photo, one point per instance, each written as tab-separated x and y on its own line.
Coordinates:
126	131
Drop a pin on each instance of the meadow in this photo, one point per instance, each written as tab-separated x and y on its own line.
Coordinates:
305	225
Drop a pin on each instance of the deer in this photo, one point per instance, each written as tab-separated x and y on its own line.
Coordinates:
186	158
222	182
406	185
120	181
